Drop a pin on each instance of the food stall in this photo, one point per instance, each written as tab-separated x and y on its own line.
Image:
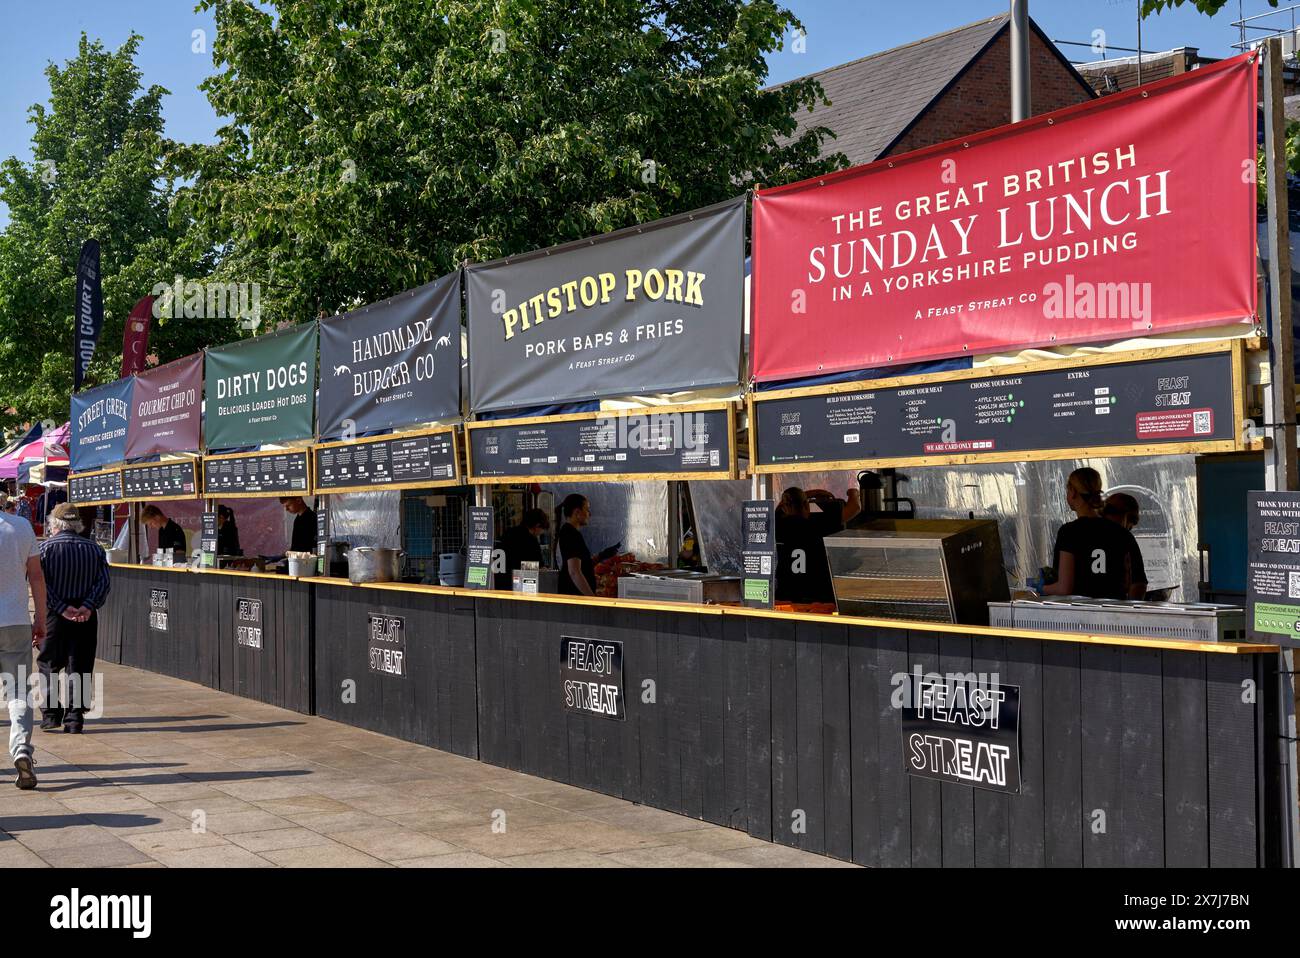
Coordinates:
896	730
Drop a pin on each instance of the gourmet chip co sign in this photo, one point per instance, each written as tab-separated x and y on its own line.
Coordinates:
1123	216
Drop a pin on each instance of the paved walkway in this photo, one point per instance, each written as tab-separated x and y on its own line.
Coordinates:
179	775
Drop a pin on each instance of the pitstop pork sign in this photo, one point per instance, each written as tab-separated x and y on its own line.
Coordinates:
1124	216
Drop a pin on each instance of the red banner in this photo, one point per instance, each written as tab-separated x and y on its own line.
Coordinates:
135	338
1124	216
165	409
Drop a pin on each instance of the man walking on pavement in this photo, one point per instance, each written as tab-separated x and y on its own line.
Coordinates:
20	571
76	584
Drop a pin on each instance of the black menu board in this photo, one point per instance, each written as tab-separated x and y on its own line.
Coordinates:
1181	399
405	461
208	540
478	566
95	488
665	444
280	472
161	480
758	553
1273	567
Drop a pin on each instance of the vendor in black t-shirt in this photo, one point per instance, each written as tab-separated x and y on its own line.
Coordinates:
522	543
1093	556
1122	508
577	570
803	574
171	537
304	524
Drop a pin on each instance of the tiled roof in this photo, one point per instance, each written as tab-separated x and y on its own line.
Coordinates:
874	99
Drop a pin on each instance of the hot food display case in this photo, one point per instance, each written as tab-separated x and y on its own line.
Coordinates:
932	570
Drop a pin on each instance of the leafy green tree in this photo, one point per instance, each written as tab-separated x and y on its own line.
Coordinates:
375	144
97	172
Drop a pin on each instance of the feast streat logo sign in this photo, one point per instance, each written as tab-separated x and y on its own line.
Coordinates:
75	911
387	646
960	730
158	609
591	676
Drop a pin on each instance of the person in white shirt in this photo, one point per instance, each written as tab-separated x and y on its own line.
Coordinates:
20	571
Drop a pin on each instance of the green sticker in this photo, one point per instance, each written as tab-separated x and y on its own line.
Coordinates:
1277	619
477	576
756	590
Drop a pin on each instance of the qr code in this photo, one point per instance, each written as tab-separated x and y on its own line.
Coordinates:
1202	422
1293	585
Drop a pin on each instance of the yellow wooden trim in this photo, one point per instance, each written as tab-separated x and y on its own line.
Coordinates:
457	478
751	431
967	458
727	405
148	568
977	631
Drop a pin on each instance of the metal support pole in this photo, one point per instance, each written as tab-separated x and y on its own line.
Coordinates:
1020	106
1280	456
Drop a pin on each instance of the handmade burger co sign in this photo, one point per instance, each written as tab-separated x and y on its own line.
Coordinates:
652	308
261	390
1081	225
394	363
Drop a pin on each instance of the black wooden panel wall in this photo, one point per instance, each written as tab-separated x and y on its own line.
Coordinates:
686	741
1129	757
280	673
186	650
434	703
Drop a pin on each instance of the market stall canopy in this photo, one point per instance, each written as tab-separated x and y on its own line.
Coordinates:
652	308
51	449
99	422
165	409
1083	225
394	363
261	390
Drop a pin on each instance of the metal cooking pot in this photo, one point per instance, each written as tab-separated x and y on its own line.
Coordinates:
368	564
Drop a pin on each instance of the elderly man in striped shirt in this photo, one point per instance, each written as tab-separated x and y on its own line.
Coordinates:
76	584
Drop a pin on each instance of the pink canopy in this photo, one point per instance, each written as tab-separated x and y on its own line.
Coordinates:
52	449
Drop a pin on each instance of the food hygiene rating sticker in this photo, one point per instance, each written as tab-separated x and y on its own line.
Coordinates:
1277	619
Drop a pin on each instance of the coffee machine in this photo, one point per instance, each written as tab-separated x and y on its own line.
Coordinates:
878	492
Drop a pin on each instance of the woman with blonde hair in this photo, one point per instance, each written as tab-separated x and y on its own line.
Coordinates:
1093	556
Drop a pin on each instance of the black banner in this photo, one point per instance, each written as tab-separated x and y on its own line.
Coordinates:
161	480
395	462
591	677
478	565
392	364
277	473
1273	567
158	610
652	308
95	488
693	444
963	730
758	553
89	310
387	644
248	622
1175	399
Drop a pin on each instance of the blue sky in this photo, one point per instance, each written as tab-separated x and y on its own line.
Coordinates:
35	32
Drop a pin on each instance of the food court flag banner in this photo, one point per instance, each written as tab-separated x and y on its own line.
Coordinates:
98	423
393	363
88	310
261	390
1125	216
166	408
652	308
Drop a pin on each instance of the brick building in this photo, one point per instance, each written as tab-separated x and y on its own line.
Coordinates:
943	87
